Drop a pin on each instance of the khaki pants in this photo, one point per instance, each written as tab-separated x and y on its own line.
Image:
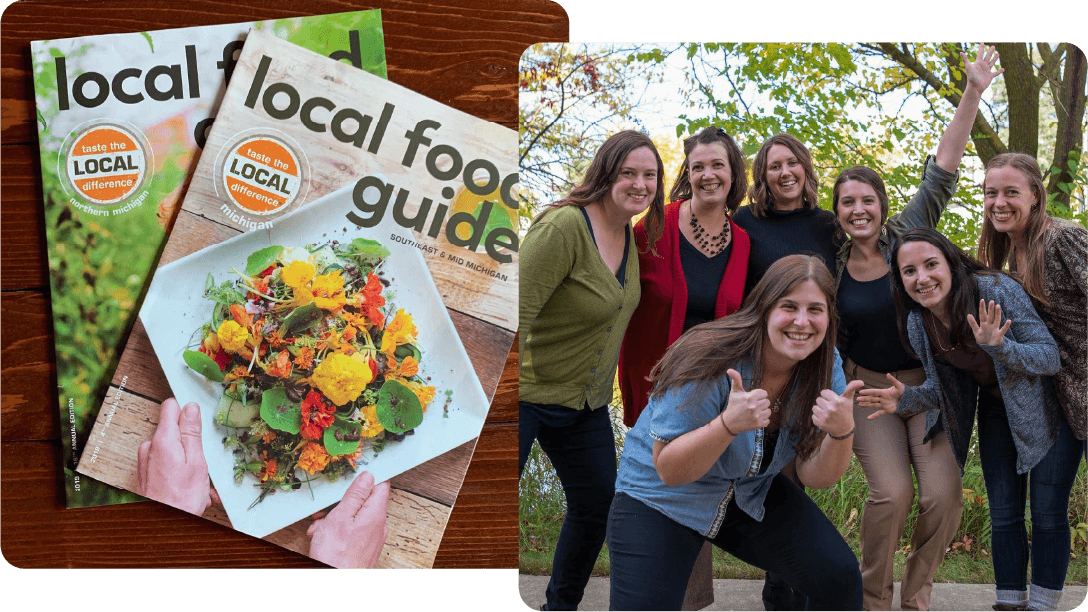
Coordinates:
887	447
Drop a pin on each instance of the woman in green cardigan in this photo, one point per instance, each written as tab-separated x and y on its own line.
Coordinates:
578	286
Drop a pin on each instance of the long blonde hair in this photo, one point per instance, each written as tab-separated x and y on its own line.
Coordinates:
995	248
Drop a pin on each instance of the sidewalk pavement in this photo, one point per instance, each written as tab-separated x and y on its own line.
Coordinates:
747	595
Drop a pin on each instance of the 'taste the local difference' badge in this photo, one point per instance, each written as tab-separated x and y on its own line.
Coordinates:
107	167
261	175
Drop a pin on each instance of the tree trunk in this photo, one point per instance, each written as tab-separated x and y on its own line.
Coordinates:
1070	111
1023	90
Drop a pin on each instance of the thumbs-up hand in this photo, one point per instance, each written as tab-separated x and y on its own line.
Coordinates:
834	413
884	400
747	410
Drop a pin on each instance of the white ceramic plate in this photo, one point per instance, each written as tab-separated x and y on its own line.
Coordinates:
175	309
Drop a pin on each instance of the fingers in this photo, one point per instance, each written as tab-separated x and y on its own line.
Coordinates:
851	388
312	529
167	431
899	387
738	382
975	327
875	415
374	508
357	494
141	466
189	430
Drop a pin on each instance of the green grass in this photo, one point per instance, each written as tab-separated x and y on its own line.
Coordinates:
541	512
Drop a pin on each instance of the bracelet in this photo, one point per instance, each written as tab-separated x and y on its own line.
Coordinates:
844	436
721	417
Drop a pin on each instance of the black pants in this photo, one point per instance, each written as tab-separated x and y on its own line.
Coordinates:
652	555
582	448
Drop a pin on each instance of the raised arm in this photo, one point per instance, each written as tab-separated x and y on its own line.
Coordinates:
940	172
979	75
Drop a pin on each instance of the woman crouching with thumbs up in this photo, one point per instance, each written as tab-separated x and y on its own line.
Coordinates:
984	347
733	402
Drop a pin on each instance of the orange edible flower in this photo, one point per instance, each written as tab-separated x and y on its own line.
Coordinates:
237	373
268	437
407	368
240	316
280	366
370	299
305	358
316	415
314	458
268	470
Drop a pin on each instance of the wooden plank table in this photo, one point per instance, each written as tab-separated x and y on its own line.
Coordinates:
464	54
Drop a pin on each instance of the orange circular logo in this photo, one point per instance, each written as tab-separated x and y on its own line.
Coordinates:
106	164
262	175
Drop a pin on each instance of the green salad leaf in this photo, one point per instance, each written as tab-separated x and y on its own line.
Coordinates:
279	412
342	437
398	407
260	260
203	365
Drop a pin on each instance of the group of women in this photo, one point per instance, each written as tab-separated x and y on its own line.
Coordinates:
735	331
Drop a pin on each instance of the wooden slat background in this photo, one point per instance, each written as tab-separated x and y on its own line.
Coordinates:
462	53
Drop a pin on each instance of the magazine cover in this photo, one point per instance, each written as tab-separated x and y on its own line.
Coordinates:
121	121
351	320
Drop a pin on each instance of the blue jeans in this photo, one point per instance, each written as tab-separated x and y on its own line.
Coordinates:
1049	482
652	555
581	447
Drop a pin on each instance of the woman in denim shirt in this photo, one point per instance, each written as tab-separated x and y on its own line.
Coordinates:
1000	364
734	401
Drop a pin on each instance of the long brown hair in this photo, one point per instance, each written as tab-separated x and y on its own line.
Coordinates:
681	189
706	351
605	168
864	175
995	248
962	295
759	195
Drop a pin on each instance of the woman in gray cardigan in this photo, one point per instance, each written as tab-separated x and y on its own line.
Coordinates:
1000	361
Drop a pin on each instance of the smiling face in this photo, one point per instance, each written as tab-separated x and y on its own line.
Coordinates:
635	185
785	177
709	173
927	278
859	210
1008	200
796	325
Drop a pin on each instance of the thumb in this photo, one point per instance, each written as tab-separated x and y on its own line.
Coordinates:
142	455
852	388
738	382
189	427
357	494
373	510
899	387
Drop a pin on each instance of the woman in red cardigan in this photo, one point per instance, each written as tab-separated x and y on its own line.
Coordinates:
694	273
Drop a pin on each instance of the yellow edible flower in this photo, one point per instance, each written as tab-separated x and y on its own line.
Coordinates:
328	290
401	330
425	393
232	336
302	297
371	426
298	274
342	378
